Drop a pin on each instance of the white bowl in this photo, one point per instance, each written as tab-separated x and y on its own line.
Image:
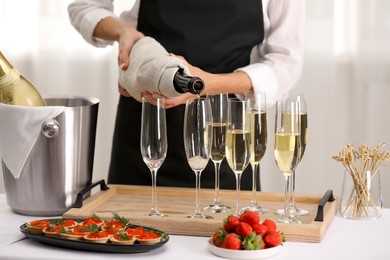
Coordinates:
244	254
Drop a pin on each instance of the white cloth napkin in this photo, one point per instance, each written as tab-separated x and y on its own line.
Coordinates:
20	127
151	69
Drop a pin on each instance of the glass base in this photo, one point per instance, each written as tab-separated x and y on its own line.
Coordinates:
294	212
288	221
256	208
156	214
200	215
217	208
369	214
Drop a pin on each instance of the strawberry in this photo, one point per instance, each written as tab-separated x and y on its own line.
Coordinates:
243	229
232	241
270	224
219	236
260	229
261	242
250	217
273	238
230	223
253	242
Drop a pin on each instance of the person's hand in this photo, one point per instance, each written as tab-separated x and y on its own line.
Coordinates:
123	91
128	37
126	41
112	29
169	102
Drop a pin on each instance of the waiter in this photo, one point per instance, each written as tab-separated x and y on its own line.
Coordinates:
234	46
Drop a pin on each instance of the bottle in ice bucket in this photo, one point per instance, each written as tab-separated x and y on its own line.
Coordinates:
15	89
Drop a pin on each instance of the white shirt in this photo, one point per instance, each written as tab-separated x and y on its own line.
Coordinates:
275	64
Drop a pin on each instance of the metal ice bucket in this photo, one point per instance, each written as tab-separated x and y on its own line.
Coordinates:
60	163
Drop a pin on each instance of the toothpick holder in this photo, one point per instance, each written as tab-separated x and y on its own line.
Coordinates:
361	196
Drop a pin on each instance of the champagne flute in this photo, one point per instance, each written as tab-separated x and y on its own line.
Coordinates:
287	147
219	114
154	142
257	118
237	142
197	141
294	210
304	132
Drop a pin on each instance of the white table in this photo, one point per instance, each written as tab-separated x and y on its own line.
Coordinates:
345	239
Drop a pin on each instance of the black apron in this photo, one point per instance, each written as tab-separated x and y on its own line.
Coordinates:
215	35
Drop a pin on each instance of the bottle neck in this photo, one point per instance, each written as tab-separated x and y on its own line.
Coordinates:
12	76
7	73
184	83
5	66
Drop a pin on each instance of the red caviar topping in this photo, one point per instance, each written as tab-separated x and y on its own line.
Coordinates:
40	223
100	234
149	235
91	221
123	236
68	223
110	231
53	228
138	231
113	225
81	229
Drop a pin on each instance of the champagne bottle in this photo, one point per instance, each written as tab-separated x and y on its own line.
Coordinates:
16	89
184	83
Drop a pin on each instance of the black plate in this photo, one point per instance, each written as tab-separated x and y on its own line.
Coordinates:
91	246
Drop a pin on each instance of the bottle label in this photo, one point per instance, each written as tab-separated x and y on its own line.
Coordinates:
11	77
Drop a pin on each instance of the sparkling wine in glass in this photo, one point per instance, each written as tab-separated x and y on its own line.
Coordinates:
287	147
197	141
237	142
304	132
154	143
301	102
257	119
219	114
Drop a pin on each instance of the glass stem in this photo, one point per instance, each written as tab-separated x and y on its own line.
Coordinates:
287	196
255	167
197	177
238	188
153	173
292	189
217	166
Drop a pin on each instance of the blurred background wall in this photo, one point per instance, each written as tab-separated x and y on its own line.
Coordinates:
345	79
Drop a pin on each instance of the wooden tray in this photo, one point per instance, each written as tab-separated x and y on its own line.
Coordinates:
134	202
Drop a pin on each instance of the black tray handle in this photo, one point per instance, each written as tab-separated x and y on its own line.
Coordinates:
328	196
80	195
